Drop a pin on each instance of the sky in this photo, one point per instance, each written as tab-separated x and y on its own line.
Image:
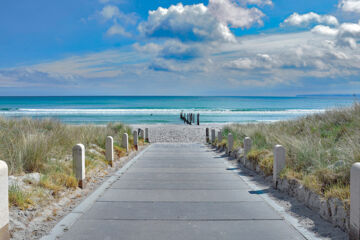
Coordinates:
170	47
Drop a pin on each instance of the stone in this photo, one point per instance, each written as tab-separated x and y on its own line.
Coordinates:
33	178
219	136
247	146
136	139
79	164
147	135
230	143
279	162
354	233
212	135
125	141
4	202
324	210
314	201
109	150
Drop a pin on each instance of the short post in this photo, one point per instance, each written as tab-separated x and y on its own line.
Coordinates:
207	135
125	141
142	134
147	135
354	233
79	164
212	136
109	150
279	163
247	148
230	143
135	135
4	202
198	119
220	136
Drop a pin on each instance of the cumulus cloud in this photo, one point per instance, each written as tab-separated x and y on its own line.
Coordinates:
263	61
301	20
350	5
112	12
199	22
349	34
186	23
346	35
230	13
325	30
117	30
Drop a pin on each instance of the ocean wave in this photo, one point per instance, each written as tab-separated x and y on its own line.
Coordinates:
52	112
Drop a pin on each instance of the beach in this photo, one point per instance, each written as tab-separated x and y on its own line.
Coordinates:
177	133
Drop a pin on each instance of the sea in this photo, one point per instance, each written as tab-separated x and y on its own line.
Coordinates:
166	110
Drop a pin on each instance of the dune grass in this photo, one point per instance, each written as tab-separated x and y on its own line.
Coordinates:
45	146
320	148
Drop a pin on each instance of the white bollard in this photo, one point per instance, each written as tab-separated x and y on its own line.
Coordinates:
4	202
135	135
279	163
79	164
125	141
354	232
142	134
212	136
230	143
147	135
219	136
207	135
247	148
109	150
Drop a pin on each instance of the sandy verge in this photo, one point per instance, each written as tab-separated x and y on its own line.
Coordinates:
306	217
37	221
180	133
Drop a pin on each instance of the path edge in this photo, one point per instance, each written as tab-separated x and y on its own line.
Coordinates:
65	223
292	221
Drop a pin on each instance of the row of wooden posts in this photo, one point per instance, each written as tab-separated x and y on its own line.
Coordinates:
190	118
280	163
78	153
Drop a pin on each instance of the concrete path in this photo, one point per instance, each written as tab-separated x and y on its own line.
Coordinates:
177	192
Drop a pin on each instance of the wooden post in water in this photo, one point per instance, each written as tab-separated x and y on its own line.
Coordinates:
4	202
79	164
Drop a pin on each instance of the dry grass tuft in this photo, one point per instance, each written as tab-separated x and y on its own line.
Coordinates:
320	148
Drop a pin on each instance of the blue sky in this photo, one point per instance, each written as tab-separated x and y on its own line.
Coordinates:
216	47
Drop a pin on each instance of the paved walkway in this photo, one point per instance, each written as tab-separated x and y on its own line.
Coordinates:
180	192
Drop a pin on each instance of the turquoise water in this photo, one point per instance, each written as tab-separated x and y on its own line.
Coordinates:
154	110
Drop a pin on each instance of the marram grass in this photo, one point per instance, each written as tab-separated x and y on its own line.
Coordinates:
320	148
45	146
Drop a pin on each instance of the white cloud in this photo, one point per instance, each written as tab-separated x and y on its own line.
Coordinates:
230	13
301	20
109	12
259	2
350	5
349	34
116	29
199	22
325	30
